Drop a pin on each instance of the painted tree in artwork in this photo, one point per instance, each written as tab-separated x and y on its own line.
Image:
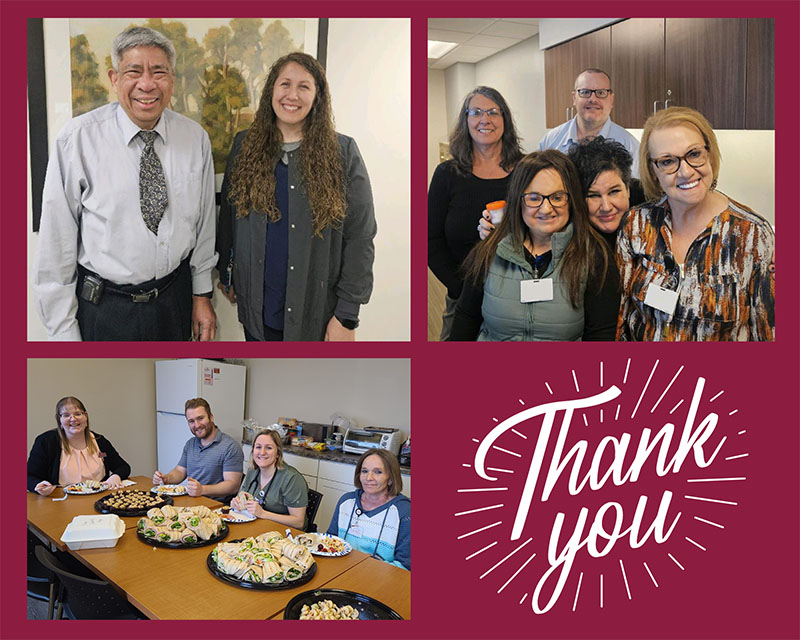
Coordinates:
87	91
224	95
276	42
245	49
189	66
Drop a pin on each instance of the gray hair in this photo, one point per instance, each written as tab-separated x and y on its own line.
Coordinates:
141	37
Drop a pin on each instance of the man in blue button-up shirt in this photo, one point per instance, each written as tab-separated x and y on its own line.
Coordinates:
593	100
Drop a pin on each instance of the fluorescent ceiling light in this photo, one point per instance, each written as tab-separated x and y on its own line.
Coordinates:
437	49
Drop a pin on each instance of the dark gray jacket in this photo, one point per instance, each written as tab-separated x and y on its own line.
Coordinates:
327	275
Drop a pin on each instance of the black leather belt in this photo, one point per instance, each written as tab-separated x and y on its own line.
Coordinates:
144	292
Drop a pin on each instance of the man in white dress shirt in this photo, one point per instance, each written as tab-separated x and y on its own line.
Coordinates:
593	100
126	243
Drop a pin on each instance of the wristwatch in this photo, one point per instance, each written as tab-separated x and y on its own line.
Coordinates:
352	325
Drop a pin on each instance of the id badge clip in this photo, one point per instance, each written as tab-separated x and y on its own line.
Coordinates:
536	290
660	298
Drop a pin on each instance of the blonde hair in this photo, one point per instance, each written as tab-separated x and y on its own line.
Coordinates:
674	117
91	447
276	438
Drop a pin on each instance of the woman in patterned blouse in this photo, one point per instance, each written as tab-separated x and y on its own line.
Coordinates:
694	263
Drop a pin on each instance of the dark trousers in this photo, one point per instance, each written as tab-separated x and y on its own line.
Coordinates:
117	317
270	335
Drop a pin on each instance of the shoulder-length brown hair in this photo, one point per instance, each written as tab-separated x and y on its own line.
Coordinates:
276	439
391	465
321	169
461	141
674	117
584	247
91	448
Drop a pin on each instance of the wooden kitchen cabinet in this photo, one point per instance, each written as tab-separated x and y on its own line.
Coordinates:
637	70
723	67
705	65
307	466
760	74
563	63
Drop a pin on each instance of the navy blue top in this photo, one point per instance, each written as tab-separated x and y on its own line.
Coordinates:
276	260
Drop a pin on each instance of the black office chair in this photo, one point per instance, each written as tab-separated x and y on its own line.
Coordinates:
81	598
41	581
314	498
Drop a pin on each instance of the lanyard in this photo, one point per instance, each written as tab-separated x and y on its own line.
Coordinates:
358	512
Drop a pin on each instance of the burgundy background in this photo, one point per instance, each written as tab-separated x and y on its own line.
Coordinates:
746	583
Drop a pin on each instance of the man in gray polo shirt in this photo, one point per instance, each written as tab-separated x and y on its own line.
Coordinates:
212	460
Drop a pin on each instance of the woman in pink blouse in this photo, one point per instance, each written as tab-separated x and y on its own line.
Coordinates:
72	453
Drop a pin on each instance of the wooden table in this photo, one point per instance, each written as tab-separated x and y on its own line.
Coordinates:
177	584
51	518
386	583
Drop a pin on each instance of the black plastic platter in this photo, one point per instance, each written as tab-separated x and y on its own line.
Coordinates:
269	586
102	507
179	545
368	608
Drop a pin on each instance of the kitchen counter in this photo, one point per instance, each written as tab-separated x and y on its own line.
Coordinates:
331	456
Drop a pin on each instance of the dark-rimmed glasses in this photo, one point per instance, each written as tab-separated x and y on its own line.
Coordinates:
535	200
695	158
477	112
587	93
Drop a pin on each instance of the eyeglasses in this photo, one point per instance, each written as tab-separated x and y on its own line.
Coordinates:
694	158
476	112
74	414
587	93
536	200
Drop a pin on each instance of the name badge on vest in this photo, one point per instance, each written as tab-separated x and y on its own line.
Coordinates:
660	298
536	290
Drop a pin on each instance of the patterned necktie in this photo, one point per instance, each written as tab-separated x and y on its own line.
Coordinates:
152	184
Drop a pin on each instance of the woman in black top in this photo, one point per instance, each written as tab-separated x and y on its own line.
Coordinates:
604	167
72	453
485	148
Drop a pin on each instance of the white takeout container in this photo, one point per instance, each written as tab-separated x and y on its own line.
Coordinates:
93	532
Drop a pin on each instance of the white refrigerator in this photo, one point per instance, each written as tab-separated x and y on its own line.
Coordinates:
221	384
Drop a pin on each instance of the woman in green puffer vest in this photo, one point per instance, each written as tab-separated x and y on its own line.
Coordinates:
543	274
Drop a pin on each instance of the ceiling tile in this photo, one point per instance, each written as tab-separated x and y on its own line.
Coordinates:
448	36
466	25
512	29
495	42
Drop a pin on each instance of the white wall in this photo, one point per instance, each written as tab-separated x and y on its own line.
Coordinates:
459	81
518	74
119	395
369	73
437	118
369	70
372	391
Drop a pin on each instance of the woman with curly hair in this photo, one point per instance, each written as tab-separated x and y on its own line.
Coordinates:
485	148
297	219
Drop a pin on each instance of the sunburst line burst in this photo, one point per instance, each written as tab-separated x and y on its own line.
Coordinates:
488	571
472	533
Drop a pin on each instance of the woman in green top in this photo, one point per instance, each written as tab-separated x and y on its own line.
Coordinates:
280	490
